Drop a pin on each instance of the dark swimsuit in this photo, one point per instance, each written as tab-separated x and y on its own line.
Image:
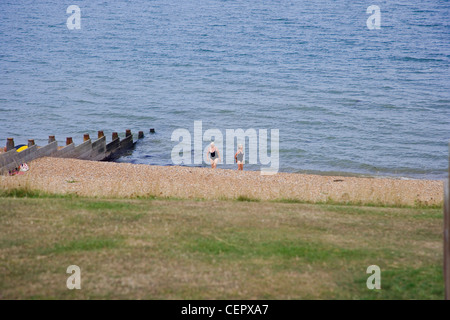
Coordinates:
213	155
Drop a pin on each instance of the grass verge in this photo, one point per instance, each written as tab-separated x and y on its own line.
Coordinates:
187	249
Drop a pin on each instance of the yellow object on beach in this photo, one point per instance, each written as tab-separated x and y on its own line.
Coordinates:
22	148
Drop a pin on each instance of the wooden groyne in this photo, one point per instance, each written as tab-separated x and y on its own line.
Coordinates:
97	150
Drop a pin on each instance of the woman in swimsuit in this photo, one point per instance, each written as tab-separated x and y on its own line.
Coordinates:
239	157
213	155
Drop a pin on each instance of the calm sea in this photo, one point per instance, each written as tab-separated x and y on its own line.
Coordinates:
345	98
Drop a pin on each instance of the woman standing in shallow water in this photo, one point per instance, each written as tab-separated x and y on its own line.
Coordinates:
239	157
213	155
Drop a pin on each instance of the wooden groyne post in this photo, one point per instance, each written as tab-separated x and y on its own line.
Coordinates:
9	144
446	234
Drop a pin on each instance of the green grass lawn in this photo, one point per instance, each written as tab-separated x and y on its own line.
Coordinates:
185	249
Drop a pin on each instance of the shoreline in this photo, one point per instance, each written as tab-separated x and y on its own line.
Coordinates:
346	174
126	180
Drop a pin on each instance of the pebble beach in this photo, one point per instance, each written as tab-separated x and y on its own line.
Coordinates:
125	180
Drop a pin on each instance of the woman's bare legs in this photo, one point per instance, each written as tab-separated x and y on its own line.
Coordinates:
214	163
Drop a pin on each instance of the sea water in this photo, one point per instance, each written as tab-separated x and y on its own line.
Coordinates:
345	98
